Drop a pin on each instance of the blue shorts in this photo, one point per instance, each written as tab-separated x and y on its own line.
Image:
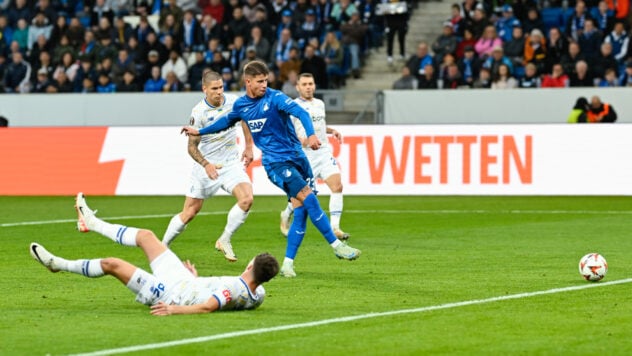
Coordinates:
291	176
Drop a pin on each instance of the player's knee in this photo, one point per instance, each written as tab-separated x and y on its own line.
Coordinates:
110	264
145	236
189	213
336	187
245	202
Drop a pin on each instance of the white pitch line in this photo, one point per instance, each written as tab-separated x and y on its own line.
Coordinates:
345	319
157	216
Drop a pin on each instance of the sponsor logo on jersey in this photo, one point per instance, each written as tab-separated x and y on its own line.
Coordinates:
257	125
226	294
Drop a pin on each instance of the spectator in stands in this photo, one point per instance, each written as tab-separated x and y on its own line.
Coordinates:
190	33
104	66
514	48
535	50
121	8
172	83
75	33
87	86
61	84
396	24
341	12
249	9
259	43
287	23
556	79
590	41
467	40
625	79
309	28
496	59
468	8
105	49
170	28
334	56
105	29
39	26
289	85
19	9
353	36
42	81
448	60
44	62
211	29
486	44
604	17
273	81
152	44
62	47
21	35
129	84
506	23
86	70
605	61
503	79
143	29
620	42
315	64
100	10
170	7
428	80
68	65
469	66
445	43
578	114
135	52
457	20
323	9
104	84
41	45
59	29
237	52
66	8
282	48
484	80
531	78
452	78
533	21
609	79
418	62
571	58
196	71
478	23
219	62
600	112
293	64
557	46
406	82
155	83
230	84
122	64
238	26
582	76
176	65
18	74
575	24
263	23
212	8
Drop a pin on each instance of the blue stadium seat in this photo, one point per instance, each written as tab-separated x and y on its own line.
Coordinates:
553	17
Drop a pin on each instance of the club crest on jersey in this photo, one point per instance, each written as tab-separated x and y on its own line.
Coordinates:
265	107
191	121
257	125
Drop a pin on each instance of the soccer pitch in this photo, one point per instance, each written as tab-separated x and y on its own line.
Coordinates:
437	275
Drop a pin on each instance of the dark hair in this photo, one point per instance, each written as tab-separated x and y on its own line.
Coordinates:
255	68
581	103
265	267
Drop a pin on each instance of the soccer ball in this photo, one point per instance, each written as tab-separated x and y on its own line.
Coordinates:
593	267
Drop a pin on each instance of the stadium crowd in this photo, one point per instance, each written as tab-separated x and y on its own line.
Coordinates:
104	46
528	44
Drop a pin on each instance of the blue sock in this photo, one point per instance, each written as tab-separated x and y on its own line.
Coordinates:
318	217
296	233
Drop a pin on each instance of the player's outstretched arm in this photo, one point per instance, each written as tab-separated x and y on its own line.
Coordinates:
162	308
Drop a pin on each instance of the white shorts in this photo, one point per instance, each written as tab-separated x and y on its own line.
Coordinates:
168	272
323	163
203	187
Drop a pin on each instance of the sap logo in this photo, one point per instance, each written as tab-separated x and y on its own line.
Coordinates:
257	125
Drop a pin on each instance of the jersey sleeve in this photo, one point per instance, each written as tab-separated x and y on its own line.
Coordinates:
298	127
286	104
224	296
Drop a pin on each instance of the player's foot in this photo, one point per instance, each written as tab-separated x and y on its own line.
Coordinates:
341	235
41	255
287	270
226	248
347	252
285	224
84	213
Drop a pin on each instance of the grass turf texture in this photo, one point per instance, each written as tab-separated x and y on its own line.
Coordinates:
417	252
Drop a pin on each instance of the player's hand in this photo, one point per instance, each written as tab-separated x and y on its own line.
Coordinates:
160	309
336	135
191	267
212	170
190	131
313	142
247	157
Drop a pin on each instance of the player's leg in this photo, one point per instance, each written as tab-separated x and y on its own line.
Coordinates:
296	232
178	223
334	182
236	217
286	216
88	221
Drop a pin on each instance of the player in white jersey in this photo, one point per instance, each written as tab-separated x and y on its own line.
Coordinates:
324	165
173	287
218	165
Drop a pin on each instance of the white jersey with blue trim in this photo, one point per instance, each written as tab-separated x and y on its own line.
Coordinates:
219	147
316	110
232	293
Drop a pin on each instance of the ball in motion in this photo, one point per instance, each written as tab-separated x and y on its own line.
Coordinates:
593	267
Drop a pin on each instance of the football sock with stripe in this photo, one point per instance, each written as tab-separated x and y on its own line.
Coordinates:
296	233
120	234
89	268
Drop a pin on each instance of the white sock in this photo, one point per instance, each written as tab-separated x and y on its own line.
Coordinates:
236	217
89	268
120	234
289	210
289	261
175	228
335	209
335	243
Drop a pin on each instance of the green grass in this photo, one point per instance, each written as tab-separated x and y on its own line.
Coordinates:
417	252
